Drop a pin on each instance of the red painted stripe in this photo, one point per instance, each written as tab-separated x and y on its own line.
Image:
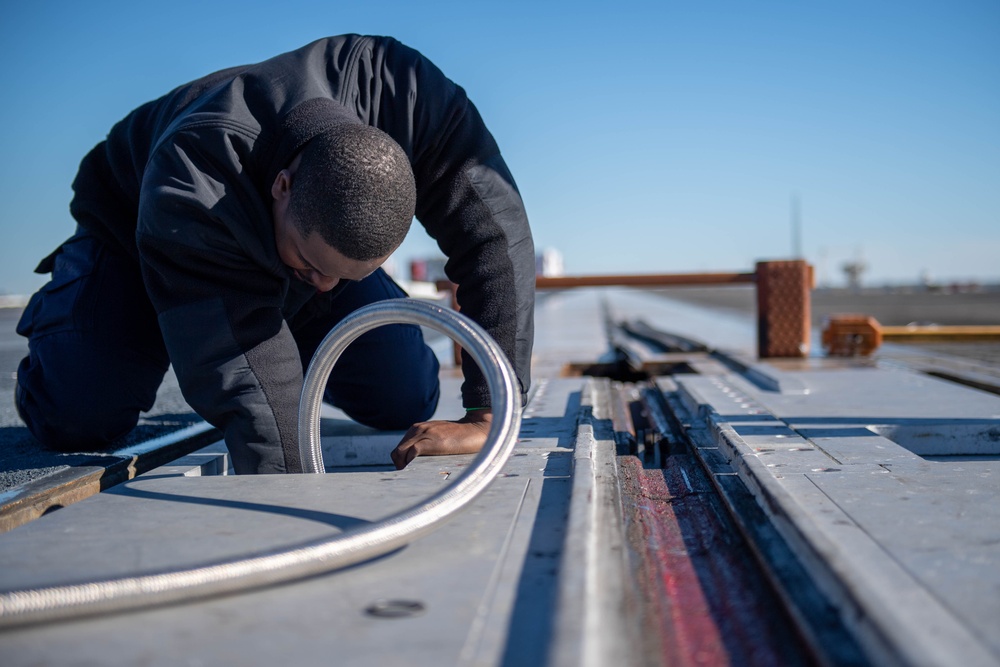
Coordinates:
707	601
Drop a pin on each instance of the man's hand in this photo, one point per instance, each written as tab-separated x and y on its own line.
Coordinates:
465	436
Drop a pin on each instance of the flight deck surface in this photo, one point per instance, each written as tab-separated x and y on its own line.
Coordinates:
864	493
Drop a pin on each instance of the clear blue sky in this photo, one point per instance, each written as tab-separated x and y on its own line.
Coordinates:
645	136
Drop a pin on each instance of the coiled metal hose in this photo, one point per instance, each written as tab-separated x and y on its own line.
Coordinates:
315	557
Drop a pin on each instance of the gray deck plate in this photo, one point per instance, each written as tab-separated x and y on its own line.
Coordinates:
948	540
468	573
914	540
138	529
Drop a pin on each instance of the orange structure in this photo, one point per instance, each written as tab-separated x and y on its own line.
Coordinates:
784	290
851	334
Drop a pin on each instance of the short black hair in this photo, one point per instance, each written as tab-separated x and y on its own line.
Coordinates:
355	187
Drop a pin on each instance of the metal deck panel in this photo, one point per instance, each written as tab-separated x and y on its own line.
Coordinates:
948	540
490	569
310	622
908	544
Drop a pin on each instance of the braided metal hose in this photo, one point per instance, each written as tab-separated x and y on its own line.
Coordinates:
318	556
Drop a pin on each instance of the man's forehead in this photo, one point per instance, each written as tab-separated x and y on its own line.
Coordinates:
325	258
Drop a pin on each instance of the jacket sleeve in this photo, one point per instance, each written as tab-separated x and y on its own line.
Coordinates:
468	202
199	235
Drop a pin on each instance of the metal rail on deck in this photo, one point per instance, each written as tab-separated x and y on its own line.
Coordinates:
935	333
82	480
644	280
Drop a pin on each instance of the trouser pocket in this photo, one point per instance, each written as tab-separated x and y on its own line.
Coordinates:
67	302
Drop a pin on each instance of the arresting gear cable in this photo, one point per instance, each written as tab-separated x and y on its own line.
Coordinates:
315	557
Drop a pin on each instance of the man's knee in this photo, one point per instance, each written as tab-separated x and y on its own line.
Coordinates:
96	356
72	423
73	400
388	380
406	400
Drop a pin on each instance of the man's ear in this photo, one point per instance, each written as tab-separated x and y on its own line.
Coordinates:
282	185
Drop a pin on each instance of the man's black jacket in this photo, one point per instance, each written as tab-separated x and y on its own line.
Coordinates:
182	185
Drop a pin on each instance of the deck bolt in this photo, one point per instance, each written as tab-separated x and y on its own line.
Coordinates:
395	608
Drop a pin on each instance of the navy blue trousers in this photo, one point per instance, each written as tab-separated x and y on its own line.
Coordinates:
96	356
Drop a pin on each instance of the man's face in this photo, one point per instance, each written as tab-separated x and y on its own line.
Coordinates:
310	258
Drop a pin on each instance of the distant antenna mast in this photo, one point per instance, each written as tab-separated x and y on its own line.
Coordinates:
796	228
